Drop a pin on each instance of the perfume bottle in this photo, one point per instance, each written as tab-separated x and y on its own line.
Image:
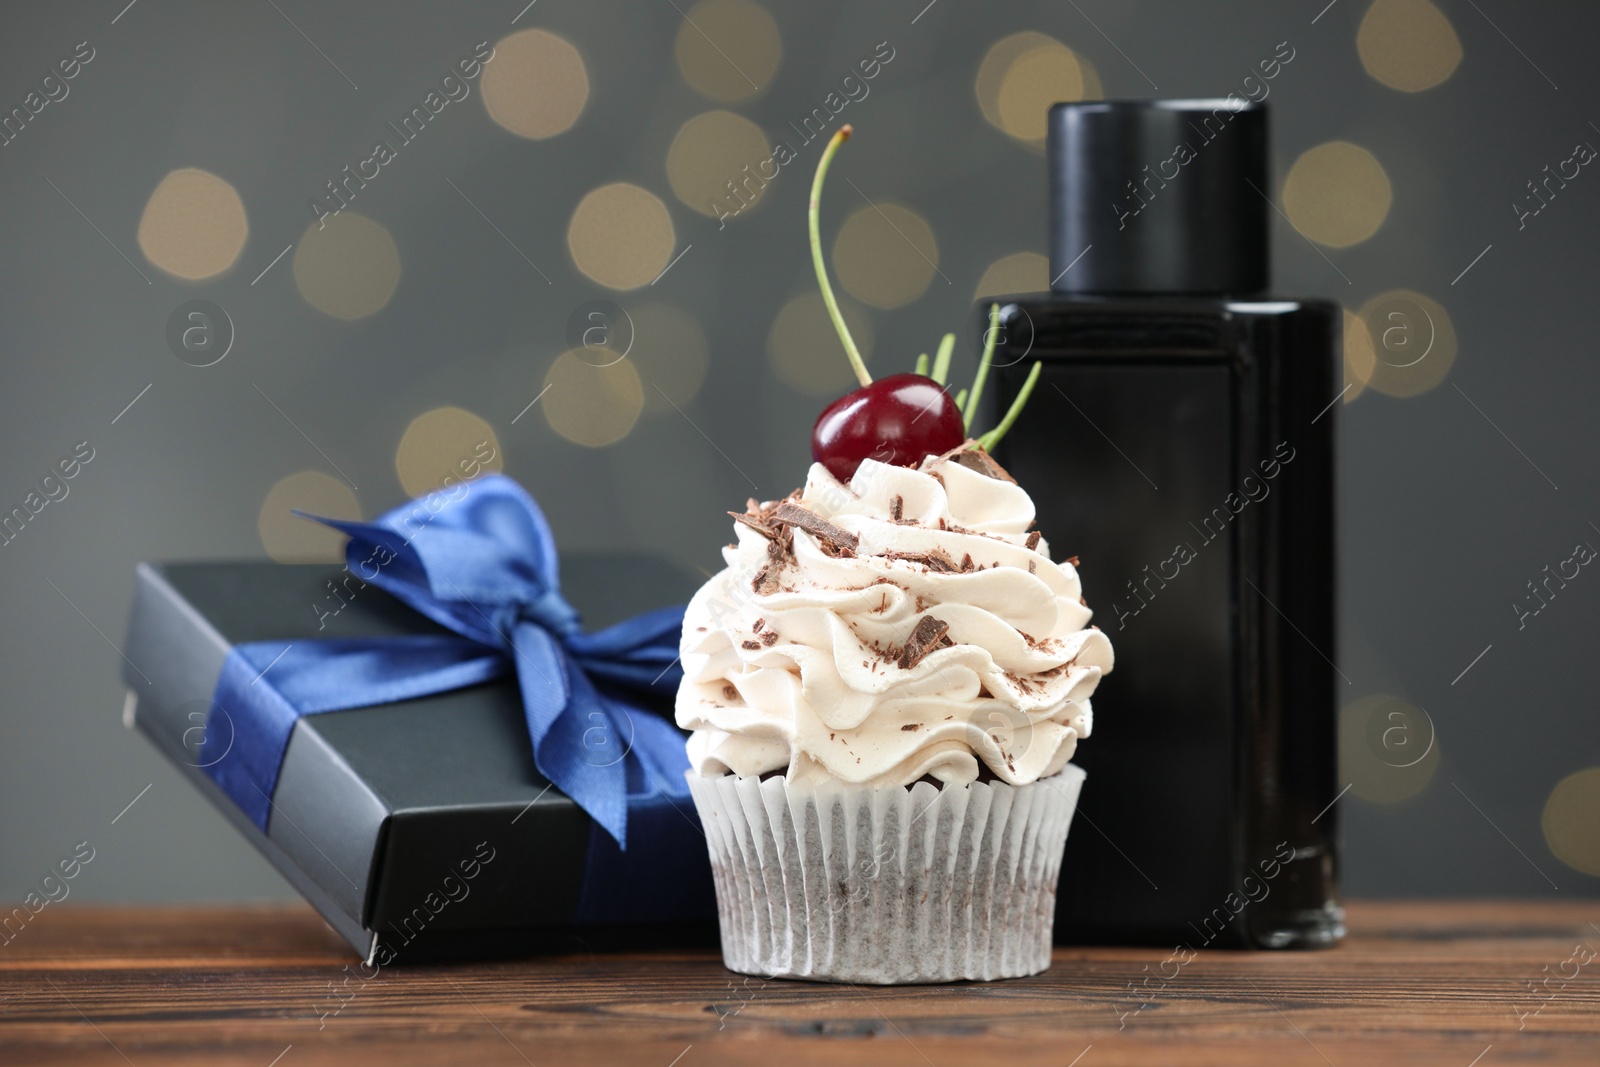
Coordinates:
1180	442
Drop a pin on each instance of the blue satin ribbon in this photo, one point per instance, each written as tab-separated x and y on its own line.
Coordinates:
482	564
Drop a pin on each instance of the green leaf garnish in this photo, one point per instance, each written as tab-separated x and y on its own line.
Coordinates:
941	362
992	438
971	407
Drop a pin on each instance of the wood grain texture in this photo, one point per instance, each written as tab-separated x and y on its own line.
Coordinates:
1416	983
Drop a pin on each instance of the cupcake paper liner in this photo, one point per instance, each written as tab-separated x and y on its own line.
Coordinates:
887	885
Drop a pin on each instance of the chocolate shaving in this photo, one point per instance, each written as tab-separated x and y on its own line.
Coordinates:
752	645
935	560
814	524
1033	539
756	523
1033	568
923	640
781	550
1072	560
769	638
758	624
766	581
911	726
896	508
730	692
979	460
966	562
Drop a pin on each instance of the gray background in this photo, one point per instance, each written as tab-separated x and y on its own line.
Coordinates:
1443	521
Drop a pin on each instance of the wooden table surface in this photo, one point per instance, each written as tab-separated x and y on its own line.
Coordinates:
1415	983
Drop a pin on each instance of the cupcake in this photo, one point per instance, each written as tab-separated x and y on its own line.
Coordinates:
884	688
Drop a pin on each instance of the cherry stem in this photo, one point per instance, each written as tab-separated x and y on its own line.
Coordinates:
992	438
922	365
941	362
856	362
989	338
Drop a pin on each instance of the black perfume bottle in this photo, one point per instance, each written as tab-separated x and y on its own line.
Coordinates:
1180	441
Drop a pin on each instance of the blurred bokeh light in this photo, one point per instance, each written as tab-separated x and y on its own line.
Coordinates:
446	442
1359	355
1572	820
1020	272
1387	748
728	49
713	150
1413	340
804	348
621	236
194	225
287	537
591	405
1022	75
347	266
670	354
1337	194
536	84
1408	44
885	255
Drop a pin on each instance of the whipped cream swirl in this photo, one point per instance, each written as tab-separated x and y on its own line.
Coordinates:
810	656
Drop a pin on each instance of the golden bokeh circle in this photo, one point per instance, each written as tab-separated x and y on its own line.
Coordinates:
445	446
885	255
194	225
536	84
347	266
1359	355
1379	736
712	150
1020	272
1021	75
1413	340
804	348
589	405
1042	76
670	353
1408	44
1092	88
1571	821
621	236
1337	194
290	539
996	61
728	49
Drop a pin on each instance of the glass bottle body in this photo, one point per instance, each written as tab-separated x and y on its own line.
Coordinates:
1183	448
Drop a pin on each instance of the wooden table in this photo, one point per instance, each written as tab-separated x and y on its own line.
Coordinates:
1416	983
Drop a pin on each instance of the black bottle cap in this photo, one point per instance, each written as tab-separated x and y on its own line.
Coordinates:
1158	196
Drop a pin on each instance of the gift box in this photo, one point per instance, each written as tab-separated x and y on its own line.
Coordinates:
421	829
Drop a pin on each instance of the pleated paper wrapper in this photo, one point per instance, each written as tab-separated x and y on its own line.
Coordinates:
890	885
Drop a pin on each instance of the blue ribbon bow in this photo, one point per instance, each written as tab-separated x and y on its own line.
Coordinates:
483	565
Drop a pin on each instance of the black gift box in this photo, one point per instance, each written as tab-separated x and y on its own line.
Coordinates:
419	830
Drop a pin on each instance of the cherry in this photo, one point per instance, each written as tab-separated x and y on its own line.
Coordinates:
904	418
899	420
